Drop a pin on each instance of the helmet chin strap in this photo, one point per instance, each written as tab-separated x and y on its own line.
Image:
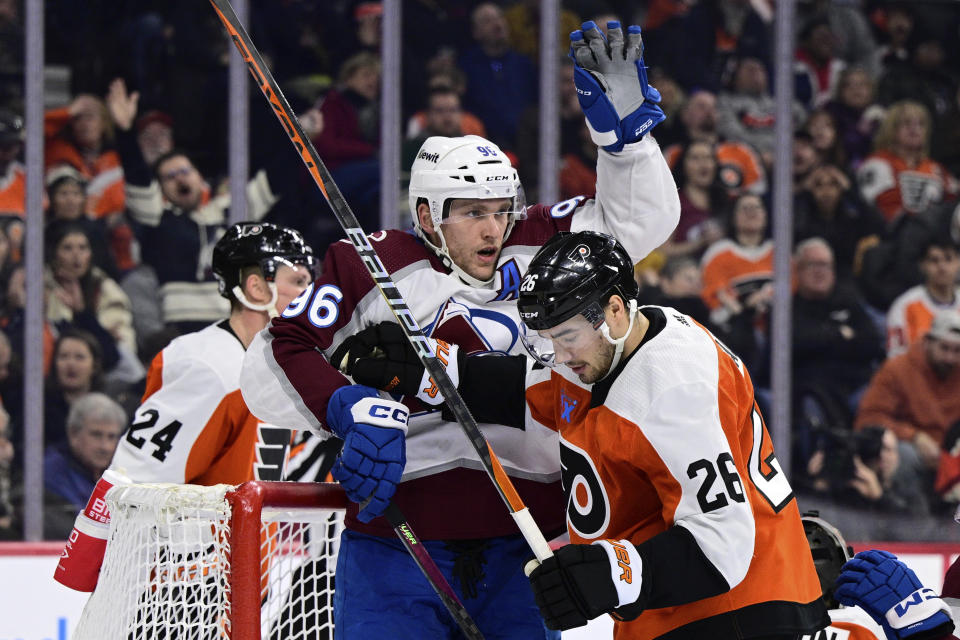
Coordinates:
269	307
444	255
618	342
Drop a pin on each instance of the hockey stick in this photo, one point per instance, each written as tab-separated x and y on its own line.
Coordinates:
491	464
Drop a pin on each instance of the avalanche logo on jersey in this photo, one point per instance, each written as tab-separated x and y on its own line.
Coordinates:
272	443
588	507
474	329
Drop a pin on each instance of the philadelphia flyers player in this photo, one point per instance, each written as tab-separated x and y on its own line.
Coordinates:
682	524
459	271
192	425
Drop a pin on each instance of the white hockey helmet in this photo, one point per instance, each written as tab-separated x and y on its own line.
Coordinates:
463	167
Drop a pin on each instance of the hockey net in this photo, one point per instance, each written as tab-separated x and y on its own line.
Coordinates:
184	562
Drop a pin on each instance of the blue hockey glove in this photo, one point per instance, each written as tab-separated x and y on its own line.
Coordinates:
582	581
887	589
611	82
371	462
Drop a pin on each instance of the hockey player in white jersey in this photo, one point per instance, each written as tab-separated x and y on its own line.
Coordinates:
192	425
458	270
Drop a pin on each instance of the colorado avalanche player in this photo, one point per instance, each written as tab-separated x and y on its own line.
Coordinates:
459	271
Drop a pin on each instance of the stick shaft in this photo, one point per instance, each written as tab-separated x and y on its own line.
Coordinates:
432	572
368	255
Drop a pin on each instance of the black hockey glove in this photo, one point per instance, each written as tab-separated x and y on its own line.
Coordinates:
382	357
583	581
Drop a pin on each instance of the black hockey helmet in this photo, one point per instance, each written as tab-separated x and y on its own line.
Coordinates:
829	550
572	273
258	244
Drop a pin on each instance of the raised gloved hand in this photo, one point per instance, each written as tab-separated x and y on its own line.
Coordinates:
582	581
887	589
611	82
374	432
382	357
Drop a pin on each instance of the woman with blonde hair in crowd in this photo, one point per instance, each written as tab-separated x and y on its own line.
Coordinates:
900	178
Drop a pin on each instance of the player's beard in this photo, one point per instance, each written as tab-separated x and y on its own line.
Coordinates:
600	366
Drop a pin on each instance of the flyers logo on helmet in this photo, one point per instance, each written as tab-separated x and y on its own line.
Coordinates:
588	507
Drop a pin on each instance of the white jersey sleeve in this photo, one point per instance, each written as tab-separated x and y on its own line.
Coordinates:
637	200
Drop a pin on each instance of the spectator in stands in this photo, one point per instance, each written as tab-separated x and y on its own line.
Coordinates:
76	370
154	135
501	83
917	393
828	206
447	78
805	159
817	68
898	29
13	178
740	169
714	35
443	118
71	467
746	112
737	279
523	25
926	79
823	132
81	294
66	193
737	270
912	313
679	286
835	342
178	221
900	178
81	135
866	469
702	201
855	114
351	133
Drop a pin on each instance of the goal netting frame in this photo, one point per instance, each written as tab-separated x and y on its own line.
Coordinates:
185	562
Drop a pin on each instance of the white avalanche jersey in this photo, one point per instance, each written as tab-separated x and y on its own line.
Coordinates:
286	378
193	425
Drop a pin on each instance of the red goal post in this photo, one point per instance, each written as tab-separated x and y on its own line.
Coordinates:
251	562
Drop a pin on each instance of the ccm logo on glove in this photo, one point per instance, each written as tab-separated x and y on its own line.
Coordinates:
383	411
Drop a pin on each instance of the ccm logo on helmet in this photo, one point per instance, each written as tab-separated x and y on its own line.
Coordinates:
497	178
383	411
432	157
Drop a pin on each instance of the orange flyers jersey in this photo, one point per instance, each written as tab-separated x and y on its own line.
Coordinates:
910	317
193	425
673	455
849	623
894	188
739	168
13	191
737	270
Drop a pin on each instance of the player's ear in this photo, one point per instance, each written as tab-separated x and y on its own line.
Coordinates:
423	213
255	288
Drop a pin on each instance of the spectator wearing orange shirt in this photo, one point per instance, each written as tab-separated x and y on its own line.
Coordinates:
917	394
13	178
81	135
738	271
900	178
911	314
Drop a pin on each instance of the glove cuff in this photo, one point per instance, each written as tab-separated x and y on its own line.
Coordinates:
916	607
626	569
380	413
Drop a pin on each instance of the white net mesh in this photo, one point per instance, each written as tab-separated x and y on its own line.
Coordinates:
166	573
